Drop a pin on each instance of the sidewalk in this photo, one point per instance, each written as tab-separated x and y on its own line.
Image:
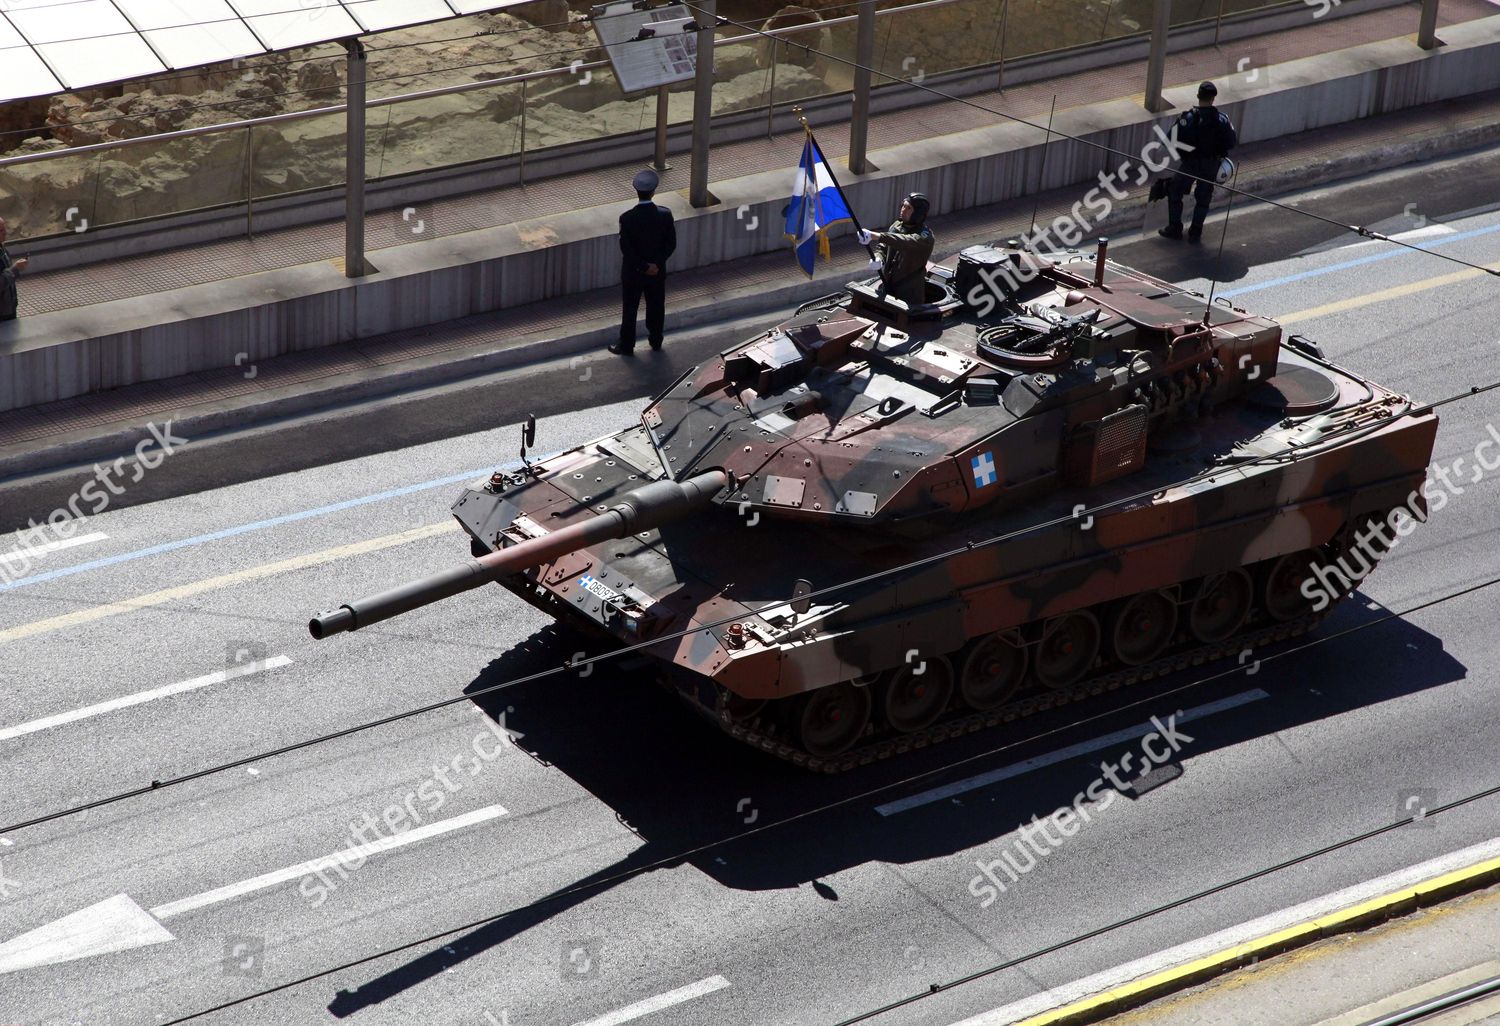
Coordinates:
92	427
48	290
101	425
1355	979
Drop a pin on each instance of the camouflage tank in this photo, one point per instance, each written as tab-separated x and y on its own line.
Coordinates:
877	526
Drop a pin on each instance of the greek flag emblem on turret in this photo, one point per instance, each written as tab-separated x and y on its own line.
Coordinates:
983	466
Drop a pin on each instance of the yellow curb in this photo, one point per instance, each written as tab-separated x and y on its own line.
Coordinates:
1128	995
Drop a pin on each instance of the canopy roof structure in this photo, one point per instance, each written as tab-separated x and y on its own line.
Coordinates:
55	46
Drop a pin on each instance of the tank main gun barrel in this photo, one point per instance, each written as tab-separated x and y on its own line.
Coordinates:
642	509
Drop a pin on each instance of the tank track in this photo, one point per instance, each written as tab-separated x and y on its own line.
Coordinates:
1037	699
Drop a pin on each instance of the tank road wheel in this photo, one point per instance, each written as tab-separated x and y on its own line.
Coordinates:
993	672
1067	649
912	700
833	718
1222	604
1282	594
1142	626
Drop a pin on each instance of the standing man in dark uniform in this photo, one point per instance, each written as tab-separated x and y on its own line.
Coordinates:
9	269
1211	135
647	238
903	251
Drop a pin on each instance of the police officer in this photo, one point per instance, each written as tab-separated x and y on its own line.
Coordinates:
9	270
903	251
648	236
1211	135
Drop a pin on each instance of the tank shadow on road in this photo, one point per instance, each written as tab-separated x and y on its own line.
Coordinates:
749	822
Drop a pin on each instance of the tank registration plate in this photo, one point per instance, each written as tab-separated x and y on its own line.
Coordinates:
593	587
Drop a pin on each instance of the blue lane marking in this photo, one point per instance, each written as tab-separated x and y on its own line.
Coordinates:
1360	262
230	532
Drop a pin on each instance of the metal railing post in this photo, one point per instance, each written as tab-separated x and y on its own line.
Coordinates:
250	181
864	53
663	112
1004	17
354	159
703	105
1218	21
771	96
1427	32
1161	23
521	171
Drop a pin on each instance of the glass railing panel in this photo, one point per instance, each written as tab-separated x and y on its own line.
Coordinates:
436	131
577	106
294	156
1041	26
50	197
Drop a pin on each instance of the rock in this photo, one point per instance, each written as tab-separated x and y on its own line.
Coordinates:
319	80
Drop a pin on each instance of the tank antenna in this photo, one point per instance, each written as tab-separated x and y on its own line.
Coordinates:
1213	280
1042	171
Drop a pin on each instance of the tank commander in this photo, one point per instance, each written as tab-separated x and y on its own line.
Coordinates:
903	250
9	270
648	236
1210	135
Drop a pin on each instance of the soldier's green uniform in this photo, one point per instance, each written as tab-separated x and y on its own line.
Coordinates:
904	250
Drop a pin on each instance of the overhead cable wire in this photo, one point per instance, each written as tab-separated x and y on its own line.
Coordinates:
1364	232
602	883
624	650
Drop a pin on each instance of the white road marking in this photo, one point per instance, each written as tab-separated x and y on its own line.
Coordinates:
116	924
254	573
1427	231
937	794
119	924
1191	951
143	697
338	859
32	551
656	1004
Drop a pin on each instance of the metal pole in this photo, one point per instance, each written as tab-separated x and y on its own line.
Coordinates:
1156	69
250	182
1004	16
1427	34
662	98
521	168
703	105
354	159
771	94
864	53
1218	20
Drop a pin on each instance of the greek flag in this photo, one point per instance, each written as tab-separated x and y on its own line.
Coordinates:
816	204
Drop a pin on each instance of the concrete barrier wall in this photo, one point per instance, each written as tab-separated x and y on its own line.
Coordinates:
70	353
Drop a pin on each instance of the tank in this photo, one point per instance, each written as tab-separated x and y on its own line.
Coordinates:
876	526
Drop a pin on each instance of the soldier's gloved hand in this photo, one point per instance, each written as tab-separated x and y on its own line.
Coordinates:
864	237
873	265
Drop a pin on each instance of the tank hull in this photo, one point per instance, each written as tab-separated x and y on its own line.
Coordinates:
941	589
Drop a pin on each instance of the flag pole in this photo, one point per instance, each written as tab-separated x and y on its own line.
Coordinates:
819	151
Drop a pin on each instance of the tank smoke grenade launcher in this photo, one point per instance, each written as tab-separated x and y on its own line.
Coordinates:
877	524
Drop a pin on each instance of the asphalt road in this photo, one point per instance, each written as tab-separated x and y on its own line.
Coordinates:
652	869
